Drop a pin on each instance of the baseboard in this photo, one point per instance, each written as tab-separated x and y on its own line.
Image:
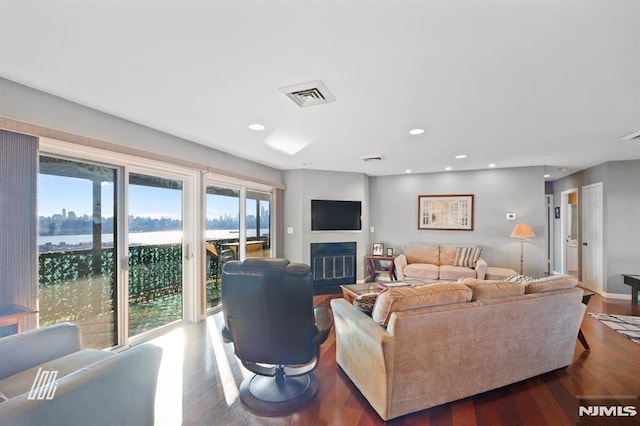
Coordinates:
617	296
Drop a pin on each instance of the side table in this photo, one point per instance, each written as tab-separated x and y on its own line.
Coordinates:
381	265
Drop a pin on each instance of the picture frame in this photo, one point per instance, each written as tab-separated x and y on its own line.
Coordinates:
378	249
389	252
445	212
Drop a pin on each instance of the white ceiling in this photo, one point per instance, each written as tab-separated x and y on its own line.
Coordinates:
513	83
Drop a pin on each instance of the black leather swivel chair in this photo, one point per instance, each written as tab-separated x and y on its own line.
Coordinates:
270	318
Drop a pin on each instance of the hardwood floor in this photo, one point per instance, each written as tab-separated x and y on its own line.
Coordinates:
200	375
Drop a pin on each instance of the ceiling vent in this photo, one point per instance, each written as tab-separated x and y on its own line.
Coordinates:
632	137
375	157
309	94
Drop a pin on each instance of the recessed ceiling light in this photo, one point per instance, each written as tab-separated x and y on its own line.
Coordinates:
408	171
461	156
415	132
547	176
447	168
256	126
491	166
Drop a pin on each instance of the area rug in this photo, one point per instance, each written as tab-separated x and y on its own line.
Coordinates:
626	325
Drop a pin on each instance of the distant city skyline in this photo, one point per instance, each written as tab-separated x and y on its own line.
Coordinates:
56	193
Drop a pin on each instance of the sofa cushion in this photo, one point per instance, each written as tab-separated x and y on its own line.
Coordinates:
453	273
422	271
467	256
447	255
554	282
418	253
22	382
365	302
483	289
399	299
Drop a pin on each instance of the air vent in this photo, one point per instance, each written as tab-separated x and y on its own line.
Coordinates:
632	137
309	94
374	157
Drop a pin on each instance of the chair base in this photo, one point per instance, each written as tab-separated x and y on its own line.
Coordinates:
264	394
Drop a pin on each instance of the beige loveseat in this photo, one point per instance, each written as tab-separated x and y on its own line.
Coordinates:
447	341
429	262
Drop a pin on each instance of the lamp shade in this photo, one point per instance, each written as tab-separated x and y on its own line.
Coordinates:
523	231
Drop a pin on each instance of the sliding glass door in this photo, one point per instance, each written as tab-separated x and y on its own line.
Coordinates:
222	235
258	224
77	255
238	223
155	252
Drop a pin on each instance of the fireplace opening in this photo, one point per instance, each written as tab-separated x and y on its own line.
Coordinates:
332	264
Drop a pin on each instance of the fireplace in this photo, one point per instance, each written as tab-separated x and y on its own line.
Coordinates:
332	264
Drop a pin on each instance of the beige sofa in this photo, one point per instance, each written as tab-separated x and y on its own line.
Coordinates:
447	341
429	262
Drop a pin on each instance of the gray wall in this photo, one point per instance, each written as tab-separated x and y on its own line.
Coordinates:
394	212
305	185
18	255
621	209
28	105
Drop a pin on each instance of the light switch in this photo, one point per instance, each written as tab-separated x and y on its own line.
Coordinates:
290	230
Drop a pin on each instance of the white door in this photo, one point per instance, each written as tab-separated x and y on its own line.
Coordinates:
592	247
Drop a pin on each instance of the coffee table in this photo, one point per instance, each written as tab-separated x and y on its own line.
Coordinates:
351	291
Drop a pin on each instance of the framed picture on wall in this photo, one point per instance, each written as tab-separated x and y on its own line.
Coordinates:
445	212
378	249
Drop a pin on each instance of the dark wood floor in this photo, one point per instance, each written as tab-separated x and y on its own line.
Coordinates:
200	376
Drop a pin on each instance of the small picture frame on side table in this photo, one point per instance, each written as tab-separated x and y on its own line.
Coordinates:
389	252
378	249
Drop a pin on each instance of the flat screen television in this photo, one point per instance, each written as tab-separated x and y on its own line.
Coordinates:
333	215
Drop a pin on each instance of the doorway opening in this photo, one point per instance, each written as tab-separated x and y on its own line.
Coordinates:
570	232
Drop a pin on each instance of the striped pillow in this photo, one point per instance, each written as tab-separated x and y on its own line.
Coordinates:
467	256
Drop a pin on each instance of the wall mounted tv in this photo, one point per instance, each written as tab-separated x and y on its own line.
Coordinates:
333	215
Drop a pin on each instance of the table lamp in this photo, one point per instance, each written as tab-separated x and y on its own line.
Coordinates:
525	233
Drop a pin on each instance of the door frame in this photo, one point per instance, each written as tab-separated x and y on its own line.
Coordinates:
599	230
549	233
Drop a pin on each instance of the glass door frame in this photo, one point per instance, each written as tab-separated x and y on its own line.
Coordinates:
191	217
211	179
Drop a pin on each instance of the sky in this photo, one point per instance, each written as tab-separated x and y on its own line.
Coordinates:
56	193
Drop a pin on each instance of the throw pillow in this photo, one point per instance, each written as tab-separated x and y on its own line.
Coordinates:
365	302
519	278
467	256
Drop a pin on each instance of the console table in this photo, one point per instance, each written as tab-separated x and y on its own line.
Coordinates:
634	282
381	265
585	299
13	314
